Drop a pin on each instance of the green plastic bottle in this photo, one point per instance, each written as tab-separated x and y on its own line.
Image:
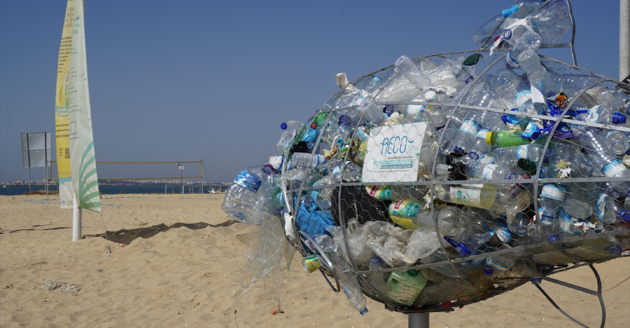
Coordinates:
506	138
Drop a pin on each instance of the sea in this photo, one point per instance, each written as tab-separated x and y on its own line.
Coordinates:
132	189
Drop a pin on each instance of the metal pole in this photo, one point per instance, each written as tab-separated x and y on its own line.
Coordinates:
419	320
624	39
76	220
29	178
181	175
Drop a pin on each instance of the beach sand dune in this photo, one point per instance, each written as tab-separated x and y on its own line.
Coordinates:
177	262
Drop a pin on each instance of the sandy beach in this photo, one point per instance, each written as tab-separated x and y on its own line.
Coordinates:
177	261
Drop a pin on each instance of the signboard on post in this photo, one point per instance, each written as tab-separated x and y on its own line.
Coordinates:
36	153
393	153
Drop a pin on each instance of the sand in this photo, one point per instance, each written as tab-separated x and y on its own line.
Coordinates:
177	264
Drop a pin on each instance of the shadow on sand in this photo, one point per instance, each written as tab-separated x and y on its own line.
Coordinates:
126	236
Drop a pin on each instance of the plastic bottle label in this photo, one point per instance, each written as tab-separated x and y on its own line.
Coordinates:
614	168
482	133
488	171
521	97
467	195
568	223
521	152
406	208
380	193
553	191
247	180
470	126
601	206
593	114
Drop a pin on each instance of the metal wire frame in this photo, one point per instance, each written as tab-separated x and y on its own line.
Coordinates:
331	109
453	261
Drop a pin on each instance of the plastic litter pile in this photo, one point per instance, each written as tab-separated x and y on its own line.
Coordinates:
447	179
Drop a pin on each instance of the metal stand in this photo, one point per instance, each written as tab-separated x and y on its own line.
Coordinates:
419	320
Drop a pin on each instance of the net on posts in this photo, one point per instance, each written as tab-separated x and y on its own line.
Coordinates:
454	177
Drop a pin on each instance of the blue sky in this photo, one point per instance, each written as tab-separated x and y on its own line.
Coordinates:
209	80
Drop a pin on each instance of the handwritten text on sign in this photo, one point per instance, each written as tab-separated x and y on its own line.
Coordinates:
392	153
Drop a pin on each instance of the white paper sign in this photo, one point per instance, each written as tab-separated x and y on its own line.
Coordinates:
393	153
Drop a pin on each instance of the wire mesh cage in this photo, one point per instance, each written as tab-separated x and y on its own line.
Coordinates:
493	221
447	179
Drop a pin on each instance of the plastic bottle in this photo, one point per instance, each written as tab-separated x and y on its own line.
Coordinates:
518	224
396	192
551	198
289	130
617	142
372	113
249	199
308	160
506	138
350	286
479	147
409	70
603	115
479	170
502	262
509	156
603	160
378	279
435	112
610	211
475	195
536	73
529	40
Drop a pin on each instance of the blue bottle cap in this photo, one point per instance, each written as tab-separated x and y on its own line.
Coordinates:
554	239
624	216
283	126
376	79
536	281
488	270
614	250
458	149
345	120
363	311
375	259
619	118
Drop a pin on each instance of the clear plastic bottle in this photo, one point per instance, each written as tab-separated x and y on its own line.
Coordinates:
289	130
350	286
536	73
373	113
617	142
479	147
249	199
551	198
308	160
479	170
502	262
603	115
378	279
529	40
435	112
518	224
603	160
409	70
509	156
610	211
